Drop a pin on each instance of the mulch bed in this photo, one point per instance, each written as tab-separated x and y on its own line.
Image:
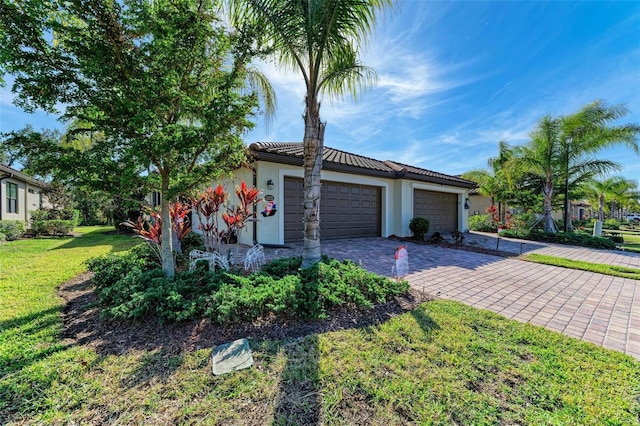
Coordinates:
83	324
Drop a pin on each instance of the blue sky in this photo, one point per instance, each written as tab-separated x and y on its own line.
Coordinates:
454	78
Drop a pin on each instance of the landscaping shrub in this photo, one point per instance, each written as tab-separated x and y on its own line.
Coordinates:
53	222
285	266
192	241
563	238
482	223
3	237
419	227
129	287
612	224
619	239
61	227
41	227
12	229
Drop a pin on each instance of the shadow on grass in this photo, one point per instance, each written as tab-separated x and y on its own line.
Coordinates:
28	339
101	236
299	400
153	366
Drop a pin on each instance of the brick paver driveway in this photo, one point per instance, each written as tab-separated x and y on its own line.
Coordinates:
597	308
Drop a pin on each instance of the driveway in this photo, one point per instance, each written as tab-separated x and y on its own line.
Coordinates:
596	308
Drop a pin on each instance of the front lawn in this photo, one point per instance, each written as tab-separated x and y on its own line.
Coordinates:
443	363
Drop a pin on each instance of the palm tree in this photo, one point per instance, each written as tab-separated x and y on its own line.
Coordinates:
494	181
540	158
587	132
545	158
601	191
318	38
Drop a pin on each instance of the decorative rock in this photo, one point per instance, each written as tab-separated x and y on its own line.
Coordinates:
232	356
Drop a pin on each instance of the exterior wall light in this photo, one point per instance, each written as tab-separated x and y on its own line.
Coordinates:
270	184
467	203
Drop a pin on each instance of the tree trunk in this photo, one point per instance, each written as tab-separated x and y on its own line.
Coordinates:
601	211
569	223
166	246
549	226
313	146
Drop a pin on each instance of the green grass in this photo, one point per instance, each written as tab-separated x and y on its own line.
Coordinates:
613	270
444	363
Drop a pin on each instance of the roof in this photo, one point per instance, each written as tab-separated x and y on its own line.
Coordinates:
6	171
342	161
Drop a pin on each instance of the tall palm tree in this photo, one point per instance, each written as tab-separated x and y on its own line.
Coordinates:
589	131
545	157
320	39
540	158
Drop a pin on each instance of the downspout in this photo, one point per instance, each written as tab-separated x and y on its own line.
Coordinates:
255	208
10	175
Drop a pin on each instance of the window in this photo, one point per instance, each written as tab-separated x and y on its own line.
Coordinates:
12	198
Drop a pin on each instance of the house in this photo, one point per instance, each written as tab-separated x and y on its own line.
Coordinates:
479	204
361	196
19	194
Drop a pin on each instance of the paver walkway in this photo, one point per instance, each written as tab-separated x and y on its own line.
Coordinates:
597	308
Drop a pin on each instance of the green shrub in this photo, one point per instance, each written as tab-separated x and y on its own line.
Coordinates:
129	287
482	223
110	268
283	266
3	237
569	238
38	215
419	227
619	239
193	241
12	229
613	224
61	227
40	227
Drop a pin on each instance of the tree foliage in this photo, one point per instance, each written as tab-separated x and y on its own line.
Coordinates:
165	84
319	39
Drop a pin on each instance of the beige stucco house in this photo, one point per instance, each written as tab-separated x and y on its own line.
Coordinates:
361	196
19	194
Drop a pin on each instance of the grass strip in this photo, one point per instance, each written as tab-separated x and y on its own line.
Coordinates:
600	268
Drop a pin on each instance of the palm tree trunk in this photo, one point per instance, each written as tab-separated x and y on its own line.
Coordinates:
601	211
313	147
549	226
569	225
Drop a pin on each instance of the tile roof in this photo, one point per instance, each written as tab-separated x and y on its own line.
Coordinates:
335	159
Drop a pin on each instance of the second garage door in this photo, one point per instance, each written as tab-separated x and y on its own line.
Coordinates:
441	208
346	210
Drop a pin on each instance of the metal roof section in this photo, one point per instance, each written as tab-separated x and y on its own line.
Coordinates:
341	161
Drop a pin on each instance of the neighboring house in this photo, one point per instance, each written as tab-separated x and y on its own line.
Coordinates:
479	204
361	197
19	194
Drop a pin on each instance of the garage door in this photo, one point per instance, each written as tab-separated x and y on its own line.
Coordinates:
346	210
440	208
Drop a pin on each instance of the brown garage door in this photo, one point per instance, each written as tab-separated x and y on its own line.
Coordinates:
440	208
346	210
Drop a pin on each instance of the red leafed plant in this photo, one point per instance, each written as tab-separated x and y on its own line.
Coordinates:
150	229
181	224
209	206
